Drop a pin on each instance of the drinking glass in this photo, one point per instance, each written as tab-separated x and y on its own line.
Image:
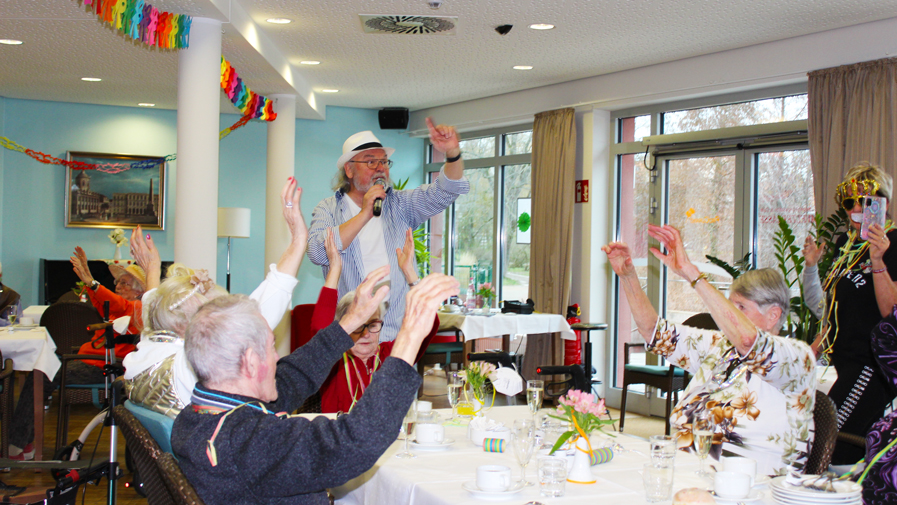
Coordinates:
407	428
523	441
552	476
663	450
11	314
702	430
454	384
658	482
535	391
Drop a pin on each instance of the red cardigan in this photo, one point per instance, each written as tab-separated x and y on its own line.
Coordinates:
335	393
118	307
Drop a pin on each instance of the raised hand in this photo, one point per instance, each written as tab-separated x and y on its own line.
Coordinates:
421	304
407	258
878	243
79	262
144	251
292	212
620	258
812	251
334	259
675	257
366	301
444	138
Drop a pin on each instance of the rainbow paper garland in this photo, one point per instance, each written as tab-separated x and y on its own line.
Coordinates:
110	168
251	103
141	21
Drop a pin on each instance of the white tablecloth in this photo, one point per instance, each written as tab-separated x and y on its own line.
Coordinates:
435	478
496	325
30	349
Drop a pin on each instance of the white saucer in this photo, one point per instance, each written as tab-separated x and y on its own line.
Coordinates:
439	446
472	488
754	495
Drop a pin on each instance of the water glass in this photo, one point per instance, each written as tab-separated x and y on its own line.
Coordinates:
523	441
658	482
663	450
552	476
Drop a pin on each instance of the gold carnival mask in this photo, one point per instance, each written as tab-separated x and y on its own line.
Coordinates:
850	191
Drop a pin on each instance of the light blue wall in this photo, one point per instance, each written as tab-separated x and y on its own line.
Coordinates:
32	193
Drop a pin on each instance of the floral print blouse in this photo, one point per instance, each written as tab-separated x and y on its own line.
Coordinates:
762	403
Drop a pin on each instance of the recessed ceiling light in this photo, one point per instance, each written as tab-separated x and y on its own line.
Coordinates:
144	104
329	91
541	26
279	21
523	67
309	62
11	42
91	79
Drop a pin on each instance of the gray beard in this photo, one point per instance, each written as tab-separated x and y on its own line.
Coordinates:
367	187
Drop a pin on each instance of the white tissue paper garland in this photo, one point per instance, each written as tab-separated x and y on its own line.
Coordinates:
506	381
120	325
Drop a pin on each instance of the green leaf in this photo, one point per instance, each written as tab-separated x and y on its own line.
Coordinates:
561	440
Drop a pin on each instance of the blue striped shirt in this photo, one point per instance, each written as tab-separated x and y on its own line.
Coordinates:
401	210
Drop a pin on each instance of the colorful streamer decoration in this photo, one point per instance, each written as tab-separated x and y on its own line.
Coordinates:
251	103
141	21
110	168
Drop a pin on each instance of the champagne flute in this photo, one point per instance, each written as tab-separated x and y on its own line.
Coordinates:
11	315
407	428
523	441
535	391
454	392
702	431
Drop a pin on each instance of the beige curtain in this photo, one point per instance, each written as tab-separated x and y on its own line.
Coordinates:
553	164
852	118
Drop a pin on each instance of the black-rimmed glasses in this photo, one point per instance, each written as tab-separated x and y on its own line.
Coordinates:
373	327
373	164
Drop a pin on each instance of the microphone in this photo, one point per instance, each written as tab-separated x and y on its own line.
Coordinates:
378	203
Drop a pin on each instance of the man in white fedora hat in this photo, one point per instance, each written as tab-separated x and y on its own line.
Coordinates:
371	222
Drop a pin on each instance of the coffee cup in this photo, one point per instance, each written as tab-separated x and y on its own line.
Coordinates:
741	465
493	478
731	485
429	433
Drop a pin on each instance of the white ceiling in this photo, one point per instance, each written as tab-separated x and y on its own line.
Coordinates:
64	42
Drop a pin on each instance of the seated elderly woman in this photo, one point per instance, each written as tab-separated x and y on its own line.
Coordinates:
352	374
759	388
160	376
130	284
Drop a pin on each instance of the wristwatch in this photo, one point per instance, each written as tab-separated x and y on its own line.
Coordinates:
94	284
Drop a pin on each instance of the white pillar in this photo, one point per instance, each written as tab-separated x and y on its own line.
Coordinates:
199	93
281	165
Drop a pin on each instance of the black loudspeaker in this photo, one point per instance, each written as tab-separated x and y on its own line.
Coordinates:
393	118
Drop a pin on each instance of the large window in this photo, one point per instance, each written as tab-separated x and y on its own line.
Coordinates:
484	236
724	189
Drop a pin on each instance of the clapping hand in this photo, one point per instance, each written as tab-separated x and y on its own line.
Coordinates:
421	304
812	251
407	258
675	257
79	262
366	301
620	258
292	212
144	251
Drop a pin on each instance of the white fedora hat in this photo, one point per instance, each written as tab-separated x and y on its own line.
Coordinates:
360	142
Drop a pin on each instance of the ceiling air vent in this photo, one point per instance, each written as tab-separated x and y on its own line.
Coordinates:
410	25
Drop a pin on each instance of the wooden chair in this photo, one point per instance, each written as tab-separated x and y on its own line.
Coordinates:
67	324
179	487
7	385
444	353
144	452
825	419
670	380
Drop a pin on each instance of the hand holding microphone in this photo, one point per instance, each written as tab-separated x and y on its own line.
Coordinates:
378	203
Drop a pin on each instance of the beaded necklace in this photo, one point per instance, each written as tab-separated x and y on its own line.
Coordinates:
370	371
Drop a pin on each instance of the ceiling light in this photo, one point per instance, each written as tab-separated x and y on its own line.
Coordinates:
522	67
91	79
144	104
309	62
329	91
541	26
11	42
279	21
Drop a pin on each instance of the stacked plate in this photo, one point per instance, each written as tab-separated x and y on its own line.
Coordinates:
846	493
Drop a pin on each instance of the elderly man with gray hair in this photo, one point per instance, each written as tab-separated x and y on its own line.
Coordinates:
235	442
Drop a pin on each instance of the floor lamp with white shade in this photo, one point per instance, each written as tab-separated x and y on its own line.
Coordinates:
233	222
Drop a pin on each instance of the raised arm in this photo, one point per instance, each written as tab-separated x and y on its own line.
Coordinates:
292	214
144	251
421	304
737	328
642	311
335	260
885	289
445	140
408	259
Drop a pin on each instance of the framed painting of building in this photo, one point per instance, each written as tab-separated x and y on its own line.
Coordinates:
122	191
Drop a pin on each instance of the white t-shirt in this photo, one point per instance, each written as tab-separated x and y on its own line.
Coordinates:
370	240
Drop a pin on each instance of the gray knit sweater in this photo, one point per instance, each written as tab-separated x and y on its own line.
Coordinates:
266	459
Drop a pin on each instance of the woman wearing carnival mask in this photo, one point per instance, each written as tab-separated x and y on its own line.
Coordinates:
759	388
857	292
